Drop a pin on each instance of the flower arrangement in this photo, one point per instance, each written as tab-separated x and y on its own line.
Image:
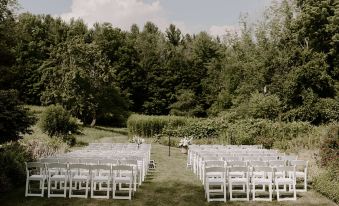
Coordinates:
184	142
138	140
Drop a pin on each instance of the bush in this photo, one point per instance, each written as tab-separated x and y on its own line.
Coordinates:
15	120
56	121
264	106
12	163
329	150
39	145
148	126
262	131
196	128
327	183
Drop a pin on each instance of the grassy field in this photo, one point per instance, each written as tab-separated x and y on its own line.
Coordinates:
170	184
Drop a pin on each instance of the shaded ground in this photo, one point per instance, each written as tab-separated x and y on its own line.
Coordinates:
170	184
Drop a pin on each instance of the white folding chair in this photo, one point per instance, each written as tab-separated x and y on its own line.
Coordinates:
215	177
239	181
212	163
101	174
268	158
277	163
122	174
261	177
61	176
35	171
135	172
301	172
288	179
79	174
288	159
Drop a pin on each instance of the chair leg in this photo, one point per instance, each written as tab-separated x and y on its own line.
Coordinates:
65	188
225	192
92	188
108	188
248	191
278	193
49	188
43	187
70	188
130	190
26	191
208	192
270	191
86	194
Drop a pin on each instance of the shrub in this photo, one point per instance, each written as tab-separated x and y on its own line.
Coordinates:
327	183
12	163
148	126
39	145
195	128
56	121
329	150
15	120
264	106
262	131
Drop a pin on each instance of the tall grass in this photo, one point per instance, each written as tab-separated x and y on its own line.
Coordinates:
148	126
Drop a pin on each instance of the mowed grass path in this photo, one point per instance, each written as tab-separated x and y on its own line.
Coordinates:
170	184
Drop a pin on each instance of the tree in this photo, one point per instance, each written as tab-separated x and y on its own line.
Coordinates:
173	35
80	78
15	120
7	42
186	104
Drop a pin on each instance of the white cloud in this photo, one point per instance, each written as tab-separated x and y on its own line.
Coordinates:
120	13
223	30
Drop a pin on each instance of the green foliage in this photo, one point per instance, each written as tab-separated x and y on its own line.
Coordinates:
329	149
186	104
327	183
56	121
12	163
39	145
80	78
7	42
196	128
264	106
101	72
148	126
15	120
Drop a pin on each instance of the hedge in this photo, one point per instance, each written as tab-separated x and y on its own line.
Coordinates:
148	126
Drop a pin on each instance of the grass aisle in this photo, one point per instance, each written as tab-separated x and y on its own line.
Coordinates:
170	184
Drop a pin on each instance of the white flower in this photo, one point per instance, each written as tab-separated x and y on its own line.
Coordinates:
138	140
185	142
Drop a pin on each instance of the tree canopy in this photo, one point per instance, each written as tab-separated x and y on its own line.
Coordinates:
100	72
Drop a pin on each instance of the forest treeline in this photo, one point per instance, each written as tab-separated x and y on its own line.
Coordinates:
286	66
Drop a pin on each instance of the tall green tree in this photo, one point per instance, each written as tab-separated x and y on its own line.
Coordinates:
80	78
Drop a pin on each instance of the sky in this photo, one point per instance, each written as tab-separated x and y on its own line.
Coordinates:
191	16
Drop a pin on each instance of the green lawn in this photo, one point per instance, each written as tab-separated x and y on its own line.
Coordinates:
170	184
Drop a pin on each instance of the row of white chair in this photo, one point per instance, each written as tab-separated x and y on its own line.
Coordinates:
301	167
201	158
140	165
79	177
233	178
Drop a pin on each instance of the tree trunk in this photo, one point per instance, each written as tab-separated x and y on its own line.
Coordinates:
94	120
